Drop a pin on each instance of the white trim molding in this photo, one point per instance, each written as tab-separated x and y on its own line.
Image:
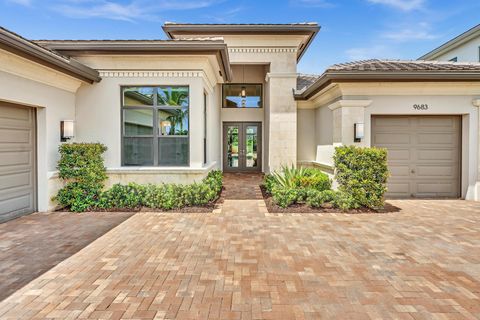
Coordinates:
262	50
350	104
476	102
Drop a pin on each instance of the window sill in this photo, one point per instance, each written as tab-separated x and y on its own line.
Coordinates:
161	170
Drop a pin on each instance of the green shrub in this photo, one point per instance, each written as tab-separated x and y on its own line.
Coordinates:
317	198
362	176
284	197
81	167
291	177
128	196
269	183
172	196
345	201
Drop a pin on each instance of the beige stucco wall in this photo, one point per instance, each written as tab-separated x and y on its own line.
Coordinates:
306	145
53	95
359	102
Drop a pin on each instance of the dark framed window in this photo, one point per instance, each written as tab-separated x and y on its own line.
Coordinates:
155	126
240	95
455	59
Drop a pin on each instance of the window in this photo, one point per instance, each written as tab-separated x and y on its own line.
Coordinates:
242	96
155	126
455	59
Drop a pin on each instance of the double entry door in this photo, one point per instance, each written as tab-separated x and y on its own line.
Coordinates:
242	146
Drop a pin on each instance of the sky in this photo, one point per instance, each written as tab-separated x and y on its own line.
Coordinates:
350	29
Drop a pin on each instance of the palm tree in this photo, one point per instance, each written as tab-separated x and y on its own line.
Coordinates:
169	97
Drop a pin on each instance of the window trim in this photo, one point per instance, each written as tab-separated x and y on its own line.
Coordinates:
155	137
242	84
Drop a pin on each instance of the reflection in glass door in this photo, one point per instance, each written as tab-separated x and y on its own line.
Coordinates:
242	146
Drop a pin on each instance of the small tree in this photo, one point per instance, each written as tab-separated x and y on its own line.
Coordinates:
82	168
362	174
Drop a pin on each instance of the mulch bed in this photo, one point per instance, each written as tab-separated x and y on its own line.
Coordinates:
304	208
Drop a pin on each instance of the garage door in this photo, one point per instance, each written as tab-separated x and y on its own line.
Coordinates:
17	161
423	154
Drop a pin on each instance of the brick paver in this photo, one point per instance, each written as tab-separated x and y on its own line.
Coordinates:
33	244
244	263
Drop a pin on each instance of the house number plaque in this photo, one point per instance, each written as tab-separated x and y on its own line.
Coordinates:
420	107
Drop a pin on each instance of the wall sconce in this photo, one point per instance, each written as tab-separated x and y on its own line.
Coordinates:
358	129
66	130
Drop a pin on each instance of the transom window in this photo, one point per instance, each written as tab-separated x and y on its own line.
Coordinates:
242	96
155	126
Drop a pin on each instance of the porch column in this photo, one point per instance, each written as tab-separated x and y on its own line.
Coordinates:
282	128
476	196
345	114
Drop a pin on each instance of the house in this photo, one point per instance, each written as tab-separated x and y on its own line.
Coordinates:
227	97
463	48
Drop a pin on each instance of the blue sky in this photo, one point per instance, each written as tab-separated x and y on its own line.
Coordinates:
351	30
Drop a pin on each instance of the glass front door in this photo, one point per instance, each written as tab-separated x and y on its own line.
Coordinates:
242	146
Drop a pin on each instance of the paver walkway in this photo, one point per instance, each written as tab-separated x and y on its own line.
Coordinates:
33	244
242	186
243	263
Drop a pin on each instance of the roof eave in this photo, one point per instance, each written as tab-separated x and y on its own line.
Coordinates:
345	77
307	29
31	51
216	47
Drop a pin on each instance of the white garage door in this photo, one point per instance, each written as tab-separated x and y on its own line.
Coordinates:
423	154
17	161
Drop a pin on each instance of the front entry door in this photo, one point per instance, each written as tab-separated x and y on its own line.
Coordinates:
242	146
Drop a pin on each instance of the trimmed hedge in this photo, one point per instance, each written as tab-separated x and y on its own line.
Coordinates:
362	176
81	167
162	196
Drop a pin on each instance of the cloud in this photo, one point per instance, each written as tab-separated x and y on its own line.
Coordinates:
313	3
404	5
422	31
26	3
130	11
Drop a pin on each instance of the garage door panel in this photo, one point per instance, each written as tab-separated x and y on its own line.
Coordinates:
15	158
448	123
16	180
436	138
19	203
399	189
391	122
436	188
392	138
13	136
435	172
423	154
399	170
398	154
17	161
437	154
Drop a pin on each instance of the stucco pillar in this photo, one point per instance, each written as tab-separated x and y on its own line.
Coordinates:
345	114
282	129
476	102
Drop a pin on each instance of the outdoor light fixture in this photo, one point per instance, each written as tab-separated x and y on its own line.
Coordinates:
66	130
359	132
243	93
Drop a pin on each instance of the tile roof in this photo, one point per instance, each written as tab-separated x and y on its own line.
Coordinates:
306	80
376	65
387	70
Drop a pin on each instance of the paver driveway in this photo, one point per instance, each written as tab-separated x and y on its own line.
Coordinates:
243	263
